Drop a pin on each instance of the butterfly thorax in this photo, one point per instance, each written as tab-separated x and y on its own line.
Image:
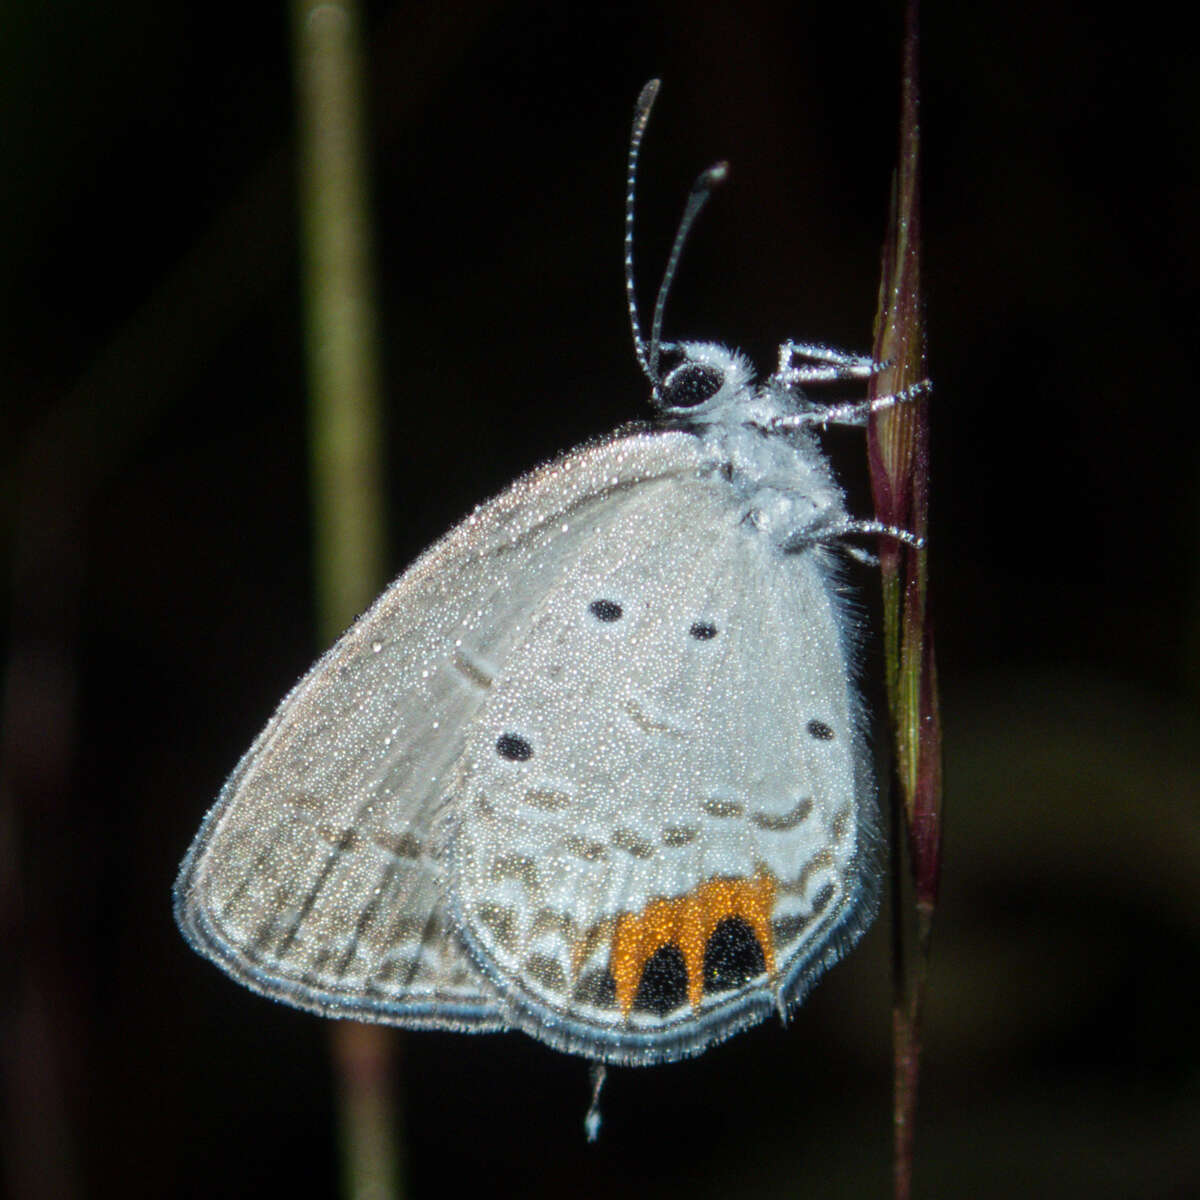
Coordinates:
782	474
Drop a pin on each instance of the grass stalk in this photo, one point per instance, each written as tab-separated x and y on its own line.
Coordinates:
345	437
898	449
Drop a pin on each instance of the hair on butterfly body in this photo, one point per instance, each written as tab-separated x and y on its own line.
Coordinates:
594	766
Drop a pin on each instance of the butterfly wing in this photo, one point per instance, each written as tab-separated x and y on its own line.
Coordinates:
317	878
666	823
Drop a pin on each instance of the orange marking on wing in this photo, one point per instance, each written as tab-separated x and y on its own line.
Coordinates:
688	922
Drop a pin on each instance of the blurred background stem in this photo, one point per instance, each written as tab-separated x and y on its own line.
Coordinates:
345	438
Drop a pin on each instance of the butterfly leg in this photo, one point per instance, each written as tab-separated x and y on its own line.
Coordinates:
856	412
867	527
824	365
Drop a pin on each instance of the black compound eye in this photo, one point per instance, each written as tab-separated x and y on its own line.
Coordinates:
605	610
514	747
691	384
703	631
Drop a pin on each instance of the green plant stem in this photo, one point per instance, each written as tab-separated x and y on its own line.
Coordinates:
898	445
346	471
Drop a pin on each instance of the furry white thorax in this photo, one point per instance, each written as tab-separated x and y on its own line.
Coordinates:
782	472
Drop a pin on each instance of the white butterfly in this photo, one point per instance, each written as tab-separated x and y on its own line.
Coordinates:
593	767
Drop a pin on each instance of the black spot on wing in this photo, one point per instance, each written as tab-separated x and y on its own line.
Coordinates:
732	957
663	986
820	730
513	747
605	610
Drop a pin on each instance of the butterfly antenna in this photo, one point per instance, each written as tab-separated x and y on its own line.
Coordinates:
697	198
641	115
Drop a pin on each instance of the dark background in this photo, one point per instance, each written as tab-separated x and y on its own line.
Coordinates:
158	579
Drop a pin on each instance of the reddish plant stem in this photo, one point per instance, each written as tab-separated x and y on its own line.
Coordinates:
898	447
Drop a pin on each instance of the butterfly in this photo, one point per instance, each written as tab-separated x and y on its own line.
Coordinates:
594	767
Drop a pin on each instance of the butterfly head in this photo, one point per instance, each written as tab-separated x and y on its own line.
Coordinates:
704	384
695	384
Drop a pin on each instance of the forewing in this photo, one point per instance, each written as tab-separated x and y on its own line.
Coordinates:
317	877
666	825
